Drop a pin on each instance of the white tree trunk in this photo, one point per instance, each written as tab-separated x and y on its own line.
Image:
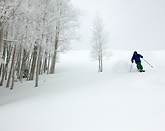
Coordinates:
11	67
38	66
33	63
52	68
1	39
48	70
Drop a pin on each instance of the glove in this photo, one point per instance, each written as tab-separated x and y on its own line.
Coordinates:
132	61
141	56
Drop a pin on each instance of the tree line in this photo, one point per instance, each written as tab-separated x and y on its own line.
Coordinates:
32	34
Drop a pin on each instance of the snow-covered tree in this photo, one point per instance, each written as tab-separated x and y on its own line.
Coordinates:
32	33
7	11
66	19
99	41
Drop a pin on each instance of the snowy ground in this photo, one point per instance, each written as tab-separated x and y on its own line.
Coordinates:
78	98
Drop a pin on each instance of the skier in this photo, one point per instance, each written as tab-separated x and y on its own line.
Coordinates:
137	57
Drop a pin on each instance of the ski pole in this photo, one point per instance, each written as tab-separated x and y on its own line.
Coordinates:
131	67
147	63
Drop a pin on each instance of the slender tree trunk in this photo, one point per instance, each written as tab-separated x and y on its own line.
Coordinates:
19	62
13	73
33	63
9	51
48	70
101	62
3	58
99	65
45	62
52	69
100	59
1	39
1	69
11	68
13	77
24	59
37	70
29	69
40	67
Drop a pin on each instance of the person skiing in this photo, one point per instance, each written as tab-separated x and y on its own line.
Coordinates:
137	57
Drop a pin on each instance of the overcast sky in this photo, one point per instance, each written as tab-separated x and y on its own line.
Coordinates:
131	24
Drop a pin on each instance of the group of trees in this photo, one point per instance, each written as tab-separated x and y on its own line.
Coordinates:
32	34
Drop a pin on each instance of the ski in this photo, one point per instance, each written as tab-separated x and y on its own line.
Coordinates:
141	70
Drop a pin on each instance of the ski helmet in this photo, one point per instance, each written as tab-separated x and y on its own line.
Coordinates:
135	52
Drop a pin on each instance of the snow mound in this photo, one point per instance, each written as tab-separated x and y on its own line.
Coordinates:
121	67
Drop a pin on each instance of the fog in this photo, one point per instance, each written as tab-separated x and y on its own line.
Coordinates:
131	24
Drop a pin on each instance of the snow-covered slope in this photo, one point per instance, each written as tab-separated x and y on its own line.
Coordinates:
78	98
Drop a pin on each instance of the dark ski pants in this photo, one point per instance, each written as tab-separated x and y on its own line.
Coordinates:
139	66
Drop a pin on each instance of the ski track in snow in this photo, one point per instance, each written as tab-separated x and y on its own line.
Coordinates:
78	98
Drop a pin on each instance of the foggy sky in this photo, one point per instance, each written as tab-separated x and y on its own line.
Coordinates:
131	24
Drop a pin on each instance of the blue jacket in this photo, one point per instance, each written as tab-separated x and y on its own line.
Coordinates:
136	57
